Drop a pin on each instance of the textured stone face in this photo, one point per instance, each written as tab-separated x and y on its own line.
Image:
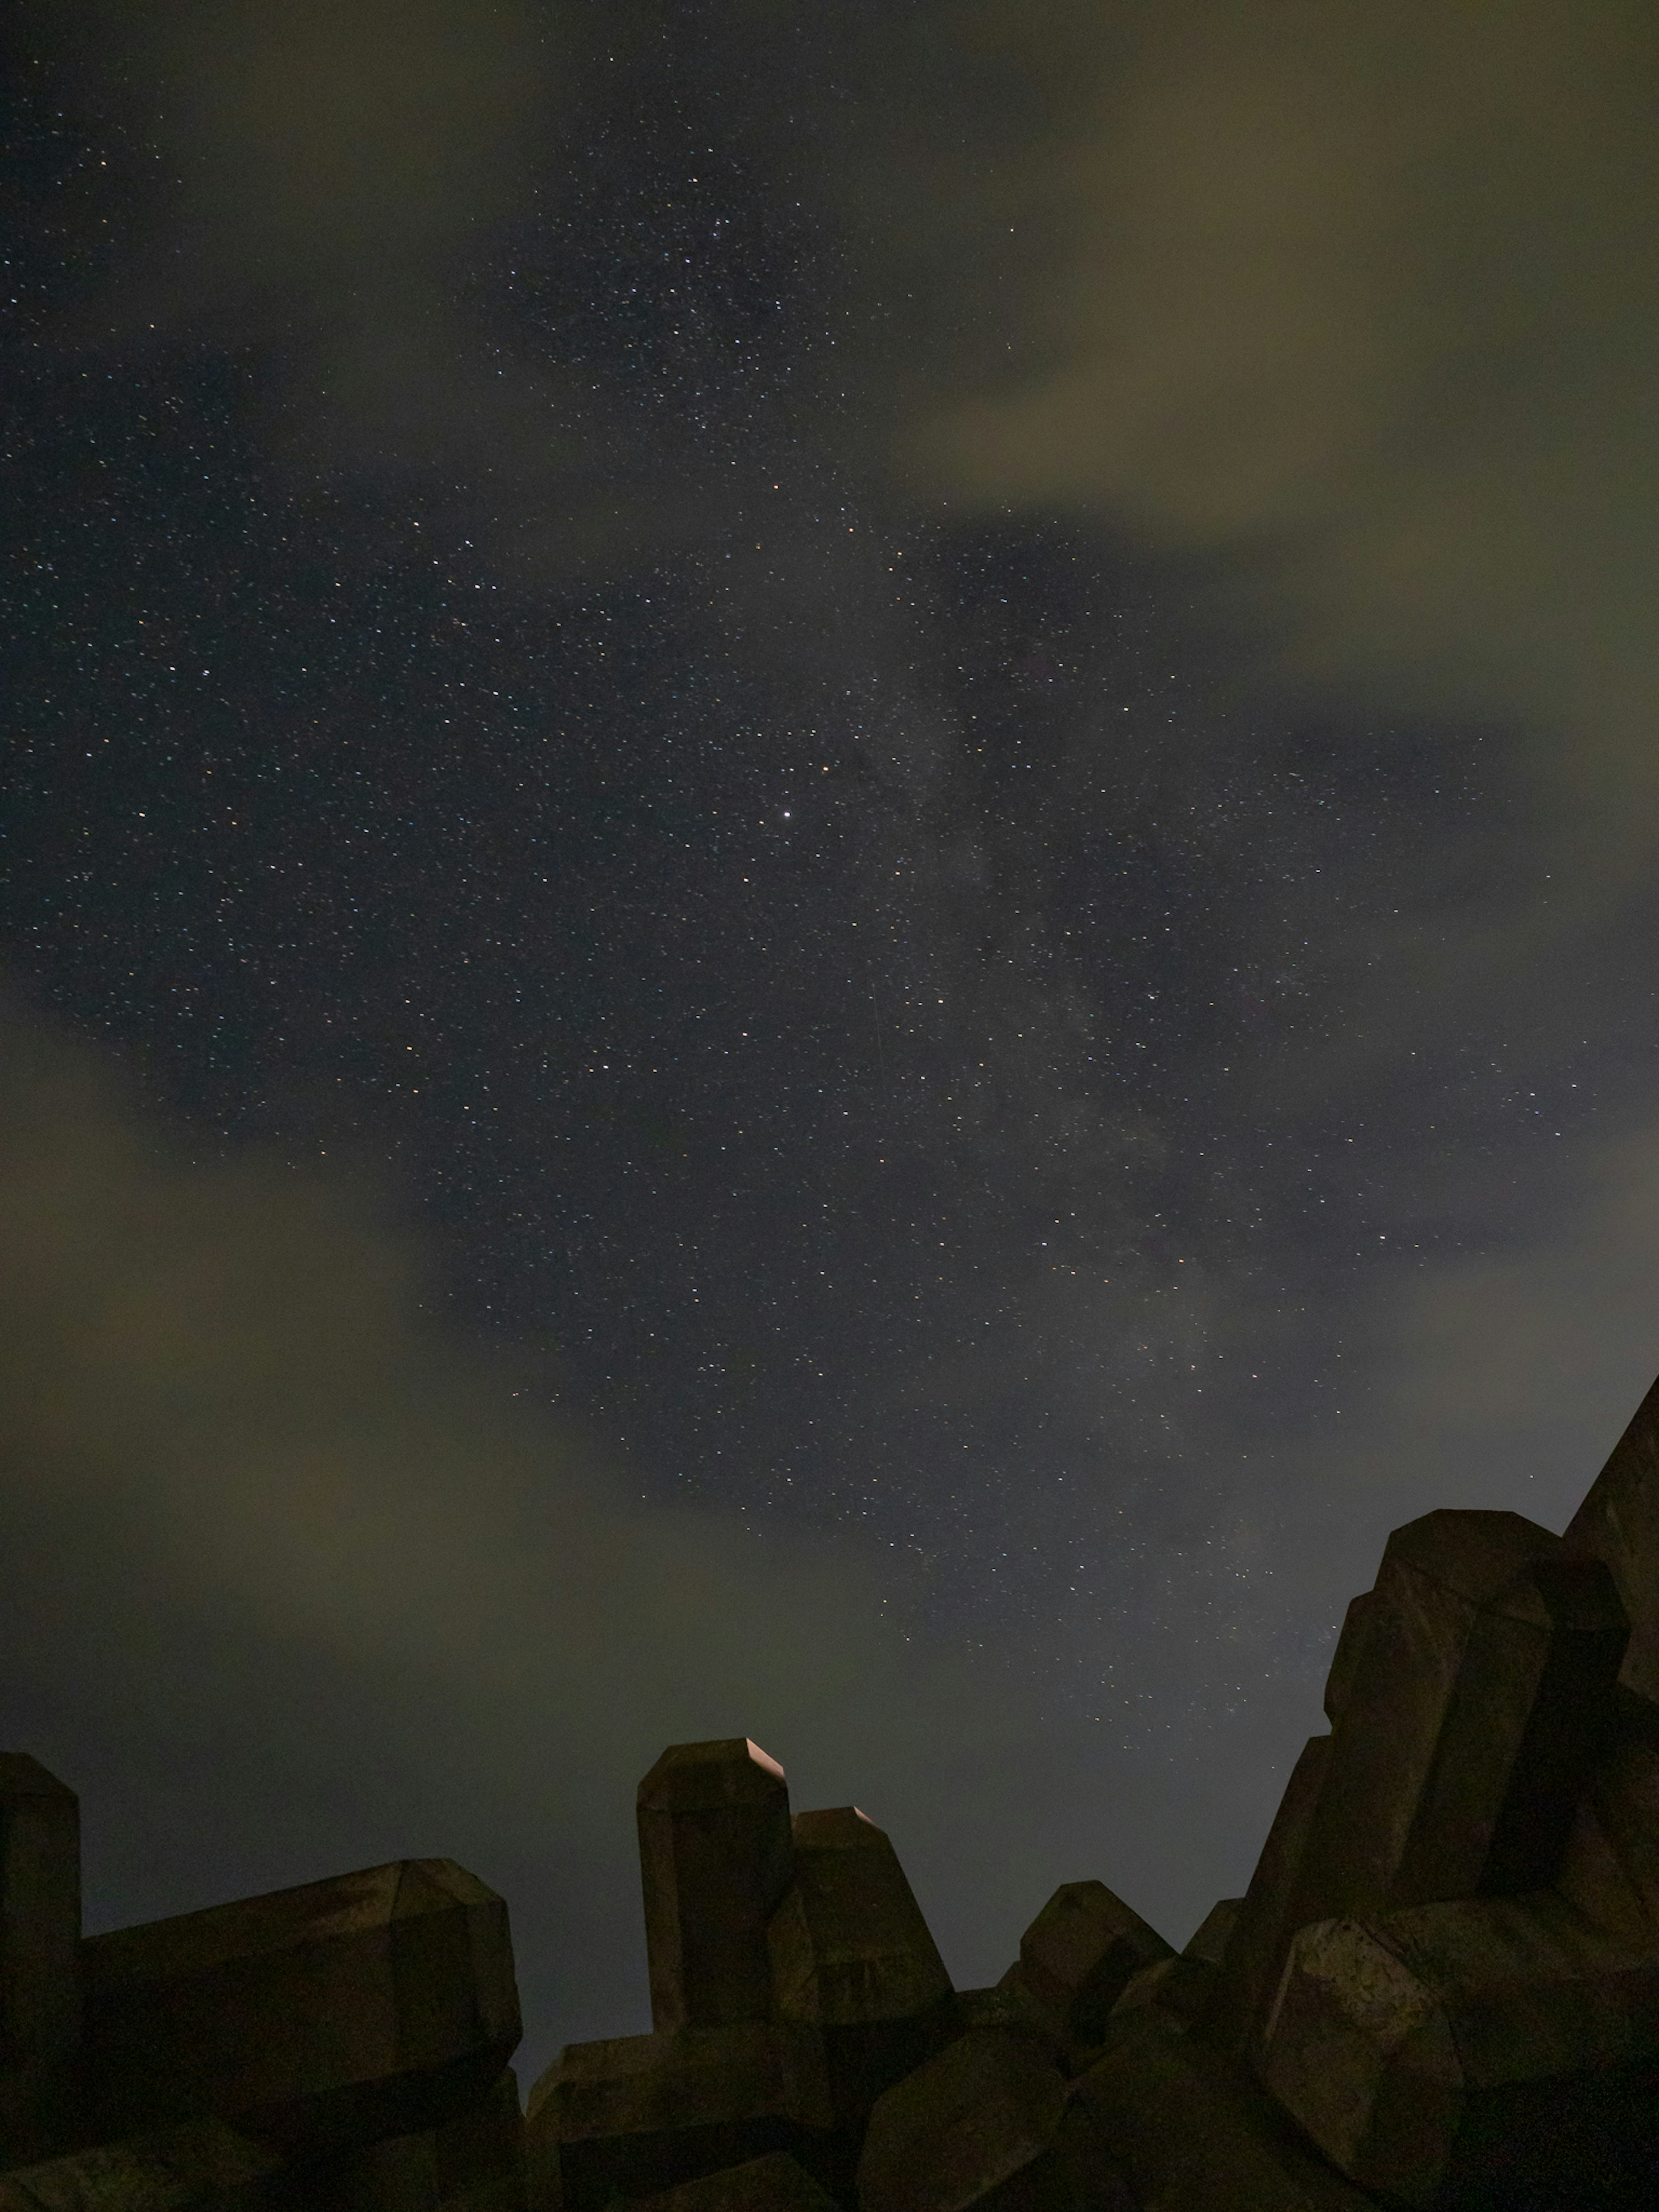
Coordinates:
473	2163
373	2004
715	1858
40	1948
847	1942
639	2114
1079	1955
981	2125
1619	1524
777	2183
1476	1693
1190	2134
203	2164
1442	2047
1251	1958
851	1956
1209	1940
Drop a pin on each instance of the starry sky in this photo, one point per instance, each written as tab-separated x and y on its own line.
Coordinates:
828	909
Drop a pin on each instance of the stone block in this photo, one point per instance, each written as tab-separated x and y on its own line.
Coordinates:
473	2163
1246	1986
39	1956
201	2167
715	1858
1345	1659
775	2184
639	2114
1619	1524
1610	1869
1479	1694
851	1956
1190	2133
1079	1955
1435	2054
986	2124
373	2004
1210	1939
1182	1989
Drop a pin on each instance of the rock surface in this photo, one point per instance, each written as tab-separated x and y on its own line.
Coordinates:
1440	1992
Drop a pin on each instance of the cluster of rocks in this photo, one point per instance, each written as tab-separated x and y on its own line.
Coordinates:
1441	1990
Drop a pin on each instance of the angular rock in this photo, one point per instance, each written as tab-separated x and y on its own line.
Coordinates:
986	2124
1190	2134
1210	1939
1345	1659
1079	1955
1619	1524
1438	2053
373	2004
775	2184
635	2115
473	2163
1246	1986
1610	1869
851	1956
203	2164
40	1954
1182	1989
1479	1693
715	1858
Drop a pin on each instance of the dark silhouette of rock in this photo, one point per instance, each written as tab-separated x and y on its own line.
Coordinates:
851	1956
1619	1524
1476	1700
1477	1688
473	2163
639	2114
776	2184
1210	1939
1079	1954
39	1955
202	2164
1440	1991
1345	1658
373	2004
1190	2133
715	1858
1610	1868
1446	2048
1251	1959
986	2124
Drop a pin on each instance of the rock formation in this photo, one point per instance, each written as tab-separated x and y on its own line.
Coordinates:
1440	1992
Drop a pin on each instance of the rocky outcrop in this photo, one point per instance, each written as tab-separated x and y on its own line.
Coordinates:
1440	1990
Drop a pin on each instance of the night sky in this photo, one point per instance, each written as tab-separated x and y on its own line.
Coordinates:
829	902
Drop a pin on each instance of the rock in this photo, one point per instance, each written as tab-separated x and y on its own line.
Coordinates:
1444	2050
715	1858
1210	1939
1246	1986
1619	1524
1182	1989
373	2004
776	2184
39	1955
851	1956
473	2163
1479	1696
1079	1955
1345	1658
1190	2133
639	2114
202	2164
1610	1869
986	2124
